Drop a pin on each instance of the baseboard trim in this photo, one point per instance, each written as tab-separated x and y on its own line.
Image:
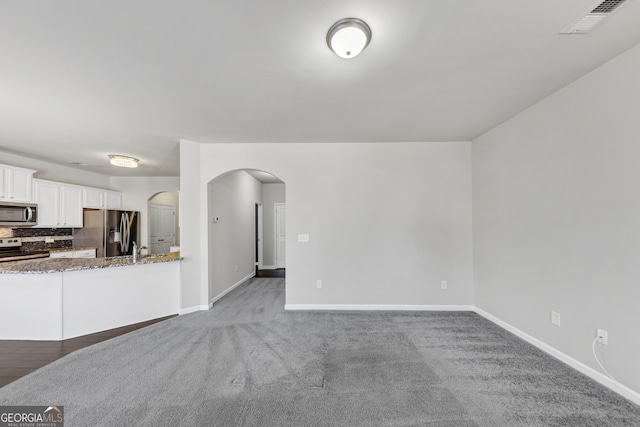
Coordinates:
232	287
193	309
623	390
377	307
269	267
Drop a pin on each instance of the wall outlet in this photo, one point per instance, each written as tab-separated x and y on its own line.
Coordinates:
303	238
603	336
444	285
555	318
319	284
236	268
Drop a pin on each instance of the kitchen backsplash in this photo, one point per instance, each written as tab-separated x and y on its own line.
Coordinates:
40	238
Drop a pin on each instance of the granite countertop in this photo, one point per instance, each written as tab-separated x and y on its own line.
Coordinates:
57	265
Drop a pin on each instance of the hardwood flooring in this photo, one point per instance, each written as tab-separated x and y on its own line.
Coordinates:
18	358
280	272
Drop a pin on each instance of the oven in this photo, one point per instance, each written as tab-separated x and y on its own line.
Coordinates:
10	250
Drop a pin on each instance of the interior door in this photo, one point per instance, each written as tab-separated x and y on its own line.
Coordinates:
162	227
281	235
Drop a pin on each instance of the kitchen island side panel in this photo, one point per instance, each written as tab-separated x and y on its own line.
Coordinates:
31	306
102	299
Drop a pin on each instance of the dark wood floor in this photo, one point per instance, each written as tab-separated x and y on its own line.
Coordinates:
280	272
18	358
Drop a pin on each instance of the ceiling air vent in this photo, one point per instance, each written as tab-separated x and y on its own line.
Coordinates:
593	17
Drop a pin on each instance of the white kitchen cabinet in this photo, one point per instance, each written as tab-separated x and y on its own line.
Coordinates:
59	205
85	253
61	254
71	205
15	184
82	253
101	199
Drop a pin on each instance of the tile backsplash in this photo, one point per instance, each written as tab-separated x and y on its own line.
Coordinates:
40	238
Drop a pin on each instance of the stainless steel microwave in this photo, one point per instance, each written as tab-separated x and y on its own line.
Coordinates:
18	214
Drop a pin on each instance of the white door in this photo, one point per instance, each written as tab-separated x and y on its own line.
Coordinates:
281	235
162	227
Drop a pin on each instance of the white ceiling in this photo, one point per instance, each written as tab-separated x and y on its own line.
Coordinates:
82	79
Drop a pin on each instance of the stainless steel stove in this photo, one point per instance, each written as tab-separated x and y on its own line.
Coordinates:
10	250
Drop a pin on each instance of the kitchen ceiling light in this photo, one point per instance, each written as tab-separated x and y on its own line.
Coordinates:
348	37
123	161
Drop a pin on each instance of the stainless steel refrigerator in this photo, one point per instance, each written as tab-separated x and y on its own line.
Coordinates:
112	232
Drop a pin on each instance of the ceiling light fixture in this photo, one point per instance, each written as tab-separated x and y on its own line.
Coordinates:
348	37
123	161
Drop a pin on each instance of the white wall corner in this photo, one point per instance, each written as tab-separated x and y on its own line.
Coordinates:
193	309
229	289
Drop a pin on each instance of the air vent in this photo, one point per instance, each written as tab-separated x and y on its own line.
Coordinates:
593	17
608	6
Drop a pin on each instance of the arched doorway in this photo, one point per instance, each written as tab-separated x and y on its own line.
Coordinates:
242	227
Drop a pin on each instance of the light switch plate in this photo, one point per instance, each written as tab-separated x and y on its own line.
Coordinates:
303	238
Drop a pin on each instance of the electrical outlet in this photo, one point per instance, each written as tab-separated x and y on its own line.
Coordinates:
443	284
603	336
555	318
236	268
319	284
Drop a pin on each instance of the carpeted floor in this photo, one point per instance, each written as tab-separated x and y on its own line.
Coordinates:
248	363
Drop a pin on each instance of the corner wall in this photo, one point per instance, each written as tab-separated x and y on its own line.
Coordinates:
231	215
556	218
387	221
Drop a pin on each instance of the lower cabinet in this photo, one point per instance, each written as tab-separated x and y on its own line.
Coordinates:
82	253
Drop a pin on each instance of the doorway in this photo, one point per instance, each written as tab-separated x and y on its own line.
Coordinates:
162	227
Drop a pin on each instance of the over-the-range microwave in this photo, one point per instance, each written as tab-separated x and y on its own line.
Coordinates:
18	214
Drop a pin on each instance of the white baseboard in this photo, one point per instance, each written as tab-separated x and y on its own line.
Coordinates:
193	309
269	267
232	287
377	307
623	390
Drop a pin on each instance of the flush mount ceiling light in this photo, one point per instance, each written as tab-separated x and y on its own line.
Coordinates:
348	37
123	161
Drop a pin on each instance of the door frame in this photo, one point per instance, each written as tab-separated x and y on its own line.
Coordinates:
259	235
275	229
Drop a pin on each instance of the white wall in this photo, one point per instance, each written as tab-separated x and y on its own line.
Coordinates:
55	172
556	206
387	222
271	194
137	191
231	206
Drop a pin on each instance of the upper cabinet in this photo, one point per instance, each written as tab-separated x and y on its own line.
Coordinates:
101	199
15	184
59	205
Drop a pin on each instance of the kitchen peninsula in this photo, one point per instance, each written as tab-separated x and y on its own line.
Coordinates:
57	299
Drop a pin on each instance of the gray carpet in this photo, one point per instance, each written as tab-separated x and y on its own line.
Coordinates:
248	363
